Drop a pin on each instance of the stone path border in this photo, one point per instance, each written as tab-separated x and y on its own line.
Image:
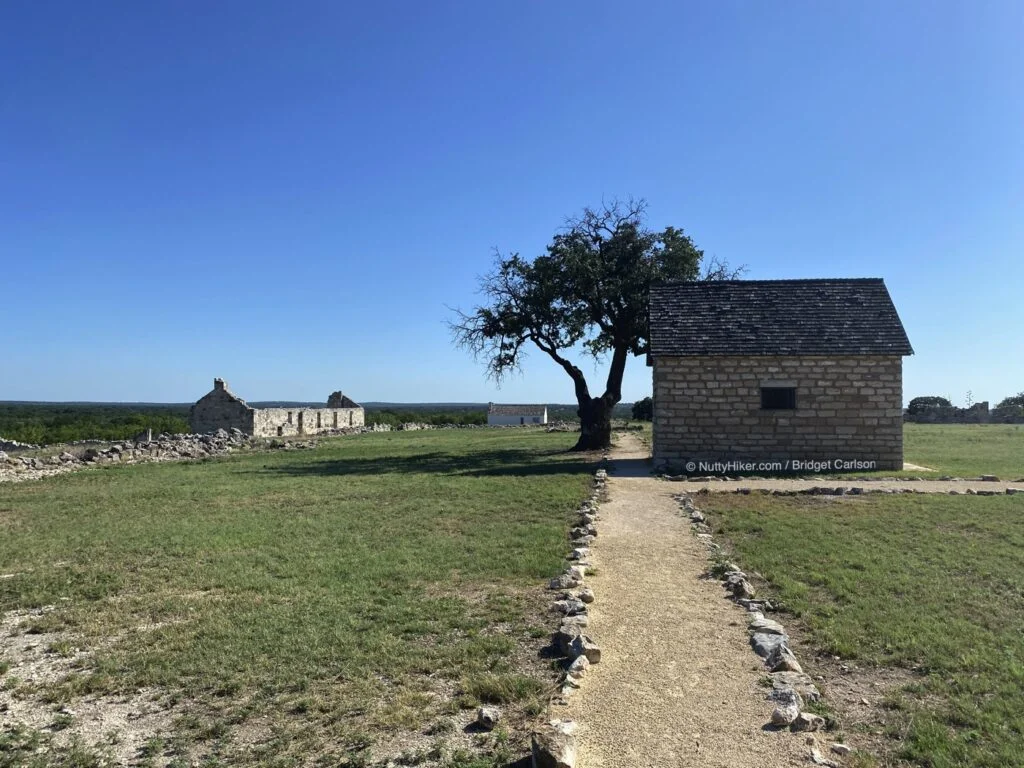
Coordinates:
553	745
791	686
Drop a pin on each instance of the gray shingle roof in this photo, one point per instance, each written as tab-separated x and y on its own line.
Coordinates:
776	317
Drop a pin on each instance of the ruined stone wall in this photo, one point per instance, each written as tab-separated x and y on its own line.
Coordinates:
274	422
848	408
219	409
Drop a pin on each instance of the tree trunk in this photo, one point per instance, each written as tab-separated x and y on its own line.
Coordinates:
595	425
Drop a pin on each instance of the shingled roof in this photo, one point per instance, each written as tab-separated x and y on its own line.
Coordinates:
776	317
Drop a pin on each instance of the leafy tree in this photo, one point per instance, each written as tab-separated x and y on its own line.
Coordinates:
643	410
1013	401
589	291
923	403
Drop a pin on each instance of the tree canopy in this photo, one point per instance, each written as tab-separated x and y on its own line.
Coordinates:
1012	401
590	291
643	409
924	402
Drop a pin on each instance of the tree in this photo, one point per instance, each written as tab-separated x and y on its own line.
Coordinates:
1014	401
643	410
923	403
589	291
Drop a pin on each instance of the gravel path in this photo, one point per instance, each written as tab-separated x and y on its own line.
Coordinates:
677	684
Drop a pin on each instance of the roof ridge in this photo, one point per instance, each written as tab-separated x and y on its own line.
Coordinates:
779	281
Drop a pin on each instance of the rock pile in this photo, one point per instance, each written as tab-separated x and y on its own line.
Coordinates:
161	448
14	445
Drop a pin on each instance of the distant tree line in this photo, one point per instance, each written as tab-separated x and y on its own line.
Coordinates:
67	422
395	416
938	409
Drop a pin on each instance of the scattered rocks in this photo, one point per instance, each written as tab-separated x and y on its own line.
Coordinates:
989	478
1014	491
841	749
586	595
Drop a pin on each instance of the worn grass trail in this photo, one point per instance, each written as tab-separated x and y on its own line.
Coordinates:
321	603
677	684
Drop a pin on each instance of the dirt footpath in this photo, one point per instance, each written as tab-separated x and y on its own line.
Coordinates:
678	684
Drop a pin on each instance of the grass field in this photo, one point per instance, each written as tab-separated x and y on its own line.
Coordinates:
930	585
966	450
330	606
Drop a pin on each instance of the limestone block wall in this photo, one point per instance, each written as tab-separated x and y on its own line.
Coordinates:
220	409
848	408
506	420
275	422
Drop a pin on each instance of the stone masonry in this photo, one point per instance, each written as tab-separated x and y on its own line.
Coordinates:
222	409
847	407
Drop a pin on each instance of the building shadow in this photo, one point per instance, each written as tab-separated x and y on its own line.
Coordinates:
502	463
631	468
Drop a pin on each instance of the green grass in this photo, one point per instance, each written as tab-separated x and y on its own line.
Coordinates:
931	584
378	582
966	450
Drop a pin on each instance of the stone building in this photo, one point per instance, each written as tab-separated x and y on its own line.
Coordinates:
503	415
777	375
222	409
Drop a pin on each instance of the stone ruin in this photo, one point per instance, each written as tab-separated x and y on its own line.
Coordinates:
222	409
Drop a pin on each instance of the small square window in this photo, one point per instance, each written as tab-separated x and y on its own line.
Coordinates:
778	398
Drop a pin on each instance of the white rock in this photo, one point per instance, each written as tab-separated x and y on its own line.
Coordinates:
488	717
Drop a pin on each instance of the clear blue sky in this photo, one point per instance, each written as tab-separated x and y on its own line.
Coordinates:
289	194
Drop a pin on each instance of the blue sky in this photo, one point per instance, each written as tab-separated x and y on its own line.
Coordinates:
288	195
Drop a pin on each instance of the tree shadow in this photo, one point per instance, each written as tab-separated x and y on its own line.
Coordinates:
498	463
